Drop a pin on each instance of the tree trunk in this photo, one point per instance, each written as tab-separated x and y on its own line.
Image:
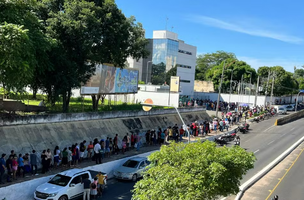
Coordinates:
103	98
95	99
66	101
35	90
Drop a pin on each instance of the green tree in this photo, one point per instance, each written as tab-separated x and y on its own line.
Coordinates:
299	73
86	33
194	171
158	74
171	72
239	69
284	82
205	62
23	44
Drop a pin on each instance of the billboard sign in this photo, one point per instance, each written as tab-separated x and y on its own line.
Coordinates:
112	80
174	84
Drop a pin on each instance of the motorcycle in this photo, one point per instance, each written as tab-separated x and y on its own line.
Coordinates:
246	125
256	119
228	137
242	129
220	141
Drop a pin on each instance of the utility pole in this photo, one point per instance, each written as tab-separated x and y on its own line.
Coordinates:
230	86
219	94
266	92
271	91
256	92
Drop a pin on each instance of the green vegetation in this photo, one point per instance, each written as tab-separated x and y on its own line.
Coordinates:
54	45
209	68
194	171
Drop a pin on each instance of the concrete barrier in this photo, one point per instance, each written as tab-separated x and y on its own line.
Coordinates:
289	118
25	190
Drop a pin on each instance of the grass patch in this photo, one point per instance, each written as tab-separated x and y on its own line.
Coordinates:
78	104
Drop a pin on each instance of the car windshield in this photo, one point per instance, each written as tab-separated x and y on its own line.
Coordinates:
131	163
60	180
281	108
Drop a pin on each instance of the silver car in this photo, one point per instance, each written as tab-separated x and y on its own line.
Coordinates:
132	169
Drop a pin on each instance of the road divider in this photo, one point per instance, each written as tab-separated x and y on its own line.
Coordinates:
289	118
266	169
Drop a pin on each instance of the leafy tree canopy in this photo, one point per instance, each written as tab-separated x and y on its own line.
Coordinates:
205	62
234	66
194	171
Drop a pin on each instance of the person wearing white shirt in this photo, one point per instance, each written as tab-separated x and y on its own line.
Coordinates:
97	154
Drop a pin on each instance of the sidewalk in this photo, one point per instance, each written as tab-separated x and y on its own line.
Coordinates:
89	162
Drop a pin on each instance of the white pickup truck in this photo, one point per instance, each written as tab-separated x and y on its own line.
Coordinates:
65	185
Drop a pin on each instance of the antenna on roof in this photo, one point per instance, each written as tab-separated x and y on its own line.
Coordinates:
166	22
172	29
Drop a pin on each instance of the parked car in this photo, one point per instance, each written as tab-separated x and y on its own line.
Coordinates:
282	111
132	169
65	185
290	108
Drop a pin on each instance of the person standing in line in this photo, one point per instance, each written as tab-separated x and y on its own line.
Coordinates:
15	167
64	157
82	150
21	166
9	166
107	148
86	188
97	155
56	156
128	141
101	183
94	186
2	167
181	133
132	141
48	154
44	162
33	162
90	149
162	137
138	142
70	156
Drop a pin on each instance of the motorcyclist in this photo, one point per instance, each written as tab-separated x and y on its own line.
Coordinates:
237	140
276	197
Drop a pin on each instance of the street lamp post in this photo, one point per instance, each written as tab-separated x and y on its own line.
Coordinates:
249	86
230	85
219	93
267	88
147	71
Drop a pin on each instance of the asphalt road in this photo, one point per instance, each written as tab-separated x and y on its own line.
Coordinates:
290	186
264	139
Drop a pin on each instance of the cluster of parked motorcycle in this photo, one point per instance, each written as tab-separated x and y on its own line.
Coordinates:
264	116
232	136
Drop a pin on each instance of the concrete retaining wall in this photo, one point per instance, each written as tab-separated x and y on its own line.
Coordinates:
24	138
290	118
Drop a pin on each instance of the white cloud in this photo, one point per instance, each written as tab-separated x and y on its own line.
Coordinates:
288	65
249	29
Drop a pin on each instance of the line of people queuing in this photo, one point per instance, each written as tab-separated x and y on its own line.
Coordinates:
96	150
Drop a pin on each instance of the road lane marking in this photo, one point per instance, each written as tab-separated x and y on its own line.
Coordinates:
292	129
284	175
256	151
268	128
283	134
270	142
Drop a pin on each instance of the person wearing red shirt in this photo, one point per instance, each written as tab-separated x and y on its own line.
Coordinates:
181	133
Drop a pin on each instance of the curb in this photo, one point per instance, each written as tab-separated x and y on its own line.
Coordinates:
266	169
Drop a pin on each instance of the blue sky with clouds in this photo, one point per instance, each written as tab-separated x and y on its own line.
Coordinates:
260	32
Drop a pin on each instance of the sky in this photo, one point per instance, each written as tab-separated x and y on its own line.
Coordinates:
259	32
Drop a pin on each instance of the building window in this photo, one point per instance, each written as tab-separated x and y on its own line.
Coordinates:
184	66
185	52
185	81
